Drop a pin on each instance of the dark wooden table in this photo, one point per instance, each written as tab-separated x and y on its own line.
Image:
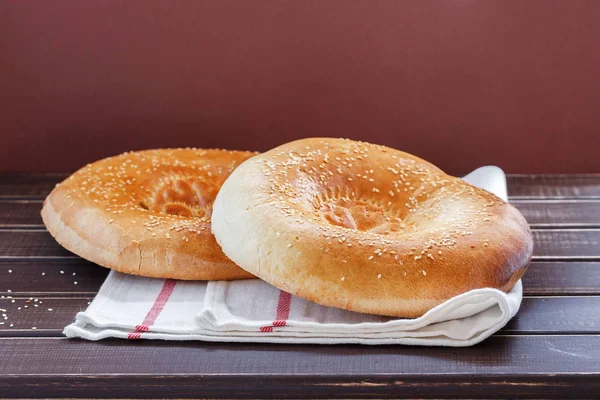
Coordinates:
551	349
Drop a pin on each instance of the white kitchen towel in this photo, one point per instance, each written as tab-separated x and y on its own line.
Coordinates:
134	307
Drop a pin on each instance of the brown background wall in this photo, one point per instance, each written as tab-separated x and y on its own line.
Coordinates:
461	83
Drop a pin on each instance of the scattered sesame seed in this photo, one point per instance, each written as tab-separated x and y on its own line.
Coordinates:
378	276
289	245
343	278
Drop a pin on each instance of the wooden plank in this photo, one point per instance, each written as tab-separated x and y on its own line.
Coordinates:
562	278
20	214
501	367
38	316
39	278
429	386
539	213
30	244
38	185
28	185
538	315
556	315
554	186
560	213
576	244
26	279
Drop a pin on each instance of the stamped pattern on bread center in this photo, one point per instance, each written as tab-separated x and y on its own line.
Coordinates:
180	195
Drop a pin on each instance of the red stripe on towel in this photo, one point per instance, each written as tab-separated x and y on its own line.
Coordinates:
283	312
283	308
155	310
